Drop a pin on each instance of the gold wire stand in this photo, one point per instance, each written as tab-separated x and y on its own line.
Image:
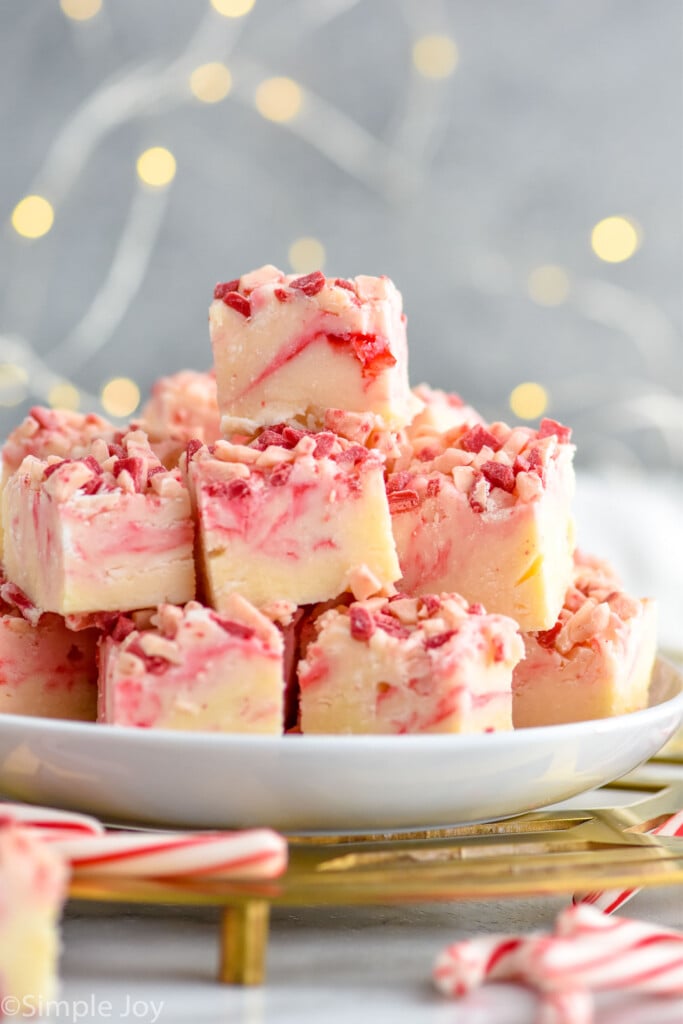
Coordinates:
538	854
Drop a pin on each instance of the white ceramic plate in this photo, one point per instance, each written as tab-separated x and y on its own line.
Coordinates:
325	782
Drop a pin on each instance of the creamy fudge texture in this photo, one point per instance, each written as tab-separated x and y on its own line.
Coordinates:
196	670
485	511
287	347
409	665
45	669
597	659
294	516
33	883
107	532
181	408
51	432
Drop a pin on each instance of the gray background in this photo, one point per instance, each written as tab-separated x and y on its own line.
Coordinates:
558	114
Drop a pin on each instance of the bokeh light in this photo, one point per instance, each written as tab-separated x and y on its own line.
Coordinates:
233	8
435	56
120	396
211	83
13	384
33	217
548	285
529	400
615	239
64	396
156	167
80	10
305	255
279	99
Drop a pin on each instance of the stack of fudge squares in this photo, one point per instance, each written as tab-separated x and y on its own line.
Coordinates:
298	541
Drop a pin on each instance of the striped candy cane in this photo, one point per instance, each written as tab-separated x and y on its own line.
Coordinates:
466	965
252	854
611	899
49	823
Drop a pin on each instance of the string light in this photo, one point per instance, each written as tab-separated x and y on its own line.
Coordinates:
33	217
156	167
13	381
305	255
279	99
233	8
120	396
435	56
548	285
64	396
211	83
80	10
529	400
615	239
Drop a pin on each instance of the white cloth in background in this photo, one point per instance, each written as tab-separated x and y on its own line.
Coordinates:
636	522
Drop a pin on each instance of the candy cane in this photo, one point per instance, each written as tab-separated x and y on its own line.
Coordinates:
590	950
575	1007
466	965
50	823
254	854
611	899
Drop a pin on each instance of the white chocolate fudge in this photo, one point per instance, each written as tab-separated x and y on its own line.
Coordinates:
45	669
288	347
33	880
296	517
409	665
195	670
597	659
181	408
51	432
486	512
111	531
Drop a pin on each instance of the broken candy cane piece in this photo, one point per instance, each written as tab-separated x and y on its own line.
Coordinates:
611	899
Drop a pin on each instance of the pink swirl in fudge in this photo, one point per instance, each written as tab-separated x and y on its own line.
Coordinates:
405	665
288	347
294	516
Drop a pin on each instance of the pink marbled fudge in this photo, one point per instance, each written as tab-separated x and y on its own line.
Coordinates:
486	512
51	432
409	665
33	884
45	669
287	348
195	670
111	531
181	408
293	517
597	659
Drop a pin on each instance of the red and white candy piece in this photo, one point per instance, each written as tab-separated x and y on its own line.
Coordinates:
611	899
573	1007
49	823
590	950
466	965
252	854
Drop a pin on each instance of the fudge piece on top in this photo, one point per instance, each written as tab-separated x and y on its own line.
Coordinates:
294	516
45	669
486	512
409	665
597	659
287	347
181	408
110	531
196	670
51	432
33	881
